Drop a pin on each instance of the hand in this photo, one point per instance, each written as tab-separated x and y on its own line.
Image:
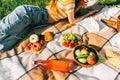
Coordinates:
83	2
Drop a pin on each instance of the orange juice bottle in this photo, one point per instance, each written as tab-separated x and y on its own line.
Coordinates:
58	65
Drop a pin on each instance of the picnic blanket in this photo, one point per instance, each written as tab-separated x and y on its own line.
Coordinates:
17	64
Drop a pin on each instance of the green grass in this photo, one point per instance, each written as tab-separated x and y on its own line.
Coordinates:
6	6
109	2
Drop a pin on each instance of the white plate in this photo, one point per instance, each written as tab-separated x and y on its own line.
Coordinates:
60	40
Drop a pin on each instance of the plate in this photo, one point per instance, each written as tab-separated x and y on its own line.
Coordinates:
71	41
35	47
34	51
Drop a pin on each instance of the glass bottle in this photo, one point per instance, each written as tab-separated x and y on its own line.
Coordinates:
58	65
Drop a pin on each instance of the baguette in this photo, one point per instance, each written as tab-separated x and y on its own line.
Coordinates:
110	23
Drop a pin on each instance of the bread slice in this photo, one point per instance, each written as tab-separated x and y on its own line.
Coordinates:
115	62
110	23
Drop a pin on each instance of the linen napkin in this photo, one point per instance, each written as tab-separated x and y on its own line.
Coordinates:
110	12
115	42
90	24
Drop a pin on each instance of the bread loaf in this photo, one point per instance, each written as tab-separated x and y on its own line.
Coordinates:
109	53
115	61
110	23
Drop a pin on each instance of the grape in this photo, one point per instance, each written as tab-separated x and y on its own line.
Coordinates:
70	37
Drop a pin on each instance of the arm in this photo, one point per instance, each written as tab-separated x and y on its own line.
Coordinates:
71	18
86	15
78	8
79	5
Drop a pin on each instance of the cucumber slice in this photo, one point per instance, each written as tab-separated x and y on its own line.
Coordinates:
82	56
82	60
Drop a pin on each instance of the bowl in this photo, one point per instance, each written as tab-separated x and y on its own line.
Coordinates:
85	56
70	40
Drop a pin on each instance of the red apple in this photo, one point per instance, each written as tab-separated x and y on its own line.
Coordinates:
36	46
91	60
28	46
42	42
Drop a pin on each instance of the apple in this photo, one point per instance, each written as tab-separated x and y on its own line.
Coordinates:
34	38
42	42
28	46
91	60
84	50
36	46
92	54
77	52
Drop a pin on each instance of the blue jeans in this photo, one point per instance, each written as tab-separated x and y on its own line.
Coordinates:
18	23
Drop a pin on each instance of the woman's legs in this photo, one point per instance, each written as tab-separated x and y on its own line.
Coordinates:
38	16
15	22
21	17
19	22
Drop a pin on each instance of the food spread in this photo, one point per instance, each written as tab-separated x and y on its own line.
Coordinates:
85	55
70	40
37	42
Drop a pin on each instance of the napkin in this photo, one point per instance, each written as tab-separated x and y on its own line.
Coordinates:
110	12
115	42
94	40
90	24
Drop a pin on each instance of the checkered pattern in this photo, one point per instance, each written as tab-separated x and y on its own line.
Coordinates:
18	65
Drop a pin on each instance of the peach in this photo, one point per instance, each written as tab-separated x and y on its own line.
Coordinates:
91	60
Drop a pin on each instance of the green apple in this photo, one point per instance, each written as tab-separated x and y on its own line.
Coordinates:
77	52
92	54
